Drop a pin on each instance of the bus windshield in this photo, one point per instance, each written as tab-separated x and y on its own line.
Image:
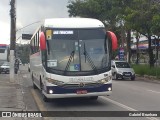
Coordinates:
77	50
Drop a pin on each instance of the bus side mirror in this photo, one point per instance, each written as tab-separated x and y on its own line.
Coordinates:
114	40
42	41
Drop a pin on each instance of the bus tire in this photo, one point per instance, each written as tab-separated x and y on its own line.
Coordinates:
45	99
34	86
94	97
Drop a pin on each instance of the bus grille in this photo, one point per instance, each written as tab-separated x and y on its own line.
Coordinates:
84	85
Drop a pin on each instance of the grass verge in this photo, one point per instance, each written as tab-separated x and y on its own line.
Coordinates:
146	70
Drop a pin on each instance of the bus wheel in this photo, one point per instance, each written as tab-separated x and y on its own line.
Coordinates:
34	86
94	97
45	99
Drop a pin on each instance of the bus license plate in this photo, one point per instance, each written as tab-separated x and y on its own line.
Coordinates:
81	91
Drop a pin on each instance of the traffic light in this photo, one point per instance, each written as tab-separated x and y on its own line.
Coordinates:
26	36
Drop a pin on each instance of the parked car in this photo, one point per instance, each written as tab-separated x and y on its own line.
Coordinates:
5	68
122	69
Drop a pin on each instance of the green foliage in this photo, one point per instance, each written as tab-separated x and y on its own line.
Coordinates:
23	52
156	27
146	70
141	16
119	16
103	10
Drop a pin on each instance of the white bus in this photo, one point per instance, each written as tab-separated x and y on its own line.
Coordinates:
71	57
3	53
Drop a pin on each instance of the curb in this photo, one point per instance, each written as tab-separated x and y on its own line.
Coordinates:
147	78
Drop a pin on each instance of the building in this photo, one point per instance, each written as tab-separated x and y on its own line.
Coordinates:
143	48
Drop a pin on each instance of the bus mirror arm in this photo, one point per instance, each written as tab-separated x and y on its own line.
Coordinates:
113	38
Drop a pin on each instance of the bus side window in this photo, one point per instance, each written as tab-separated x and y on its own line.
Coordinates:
43	58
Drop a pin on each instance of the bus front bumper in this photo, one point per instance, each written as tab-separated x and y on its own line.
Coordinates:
70	95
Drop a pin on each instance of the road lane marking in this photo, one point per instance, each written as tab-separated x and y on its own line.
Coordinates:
154	91
126	107
39	103
43	108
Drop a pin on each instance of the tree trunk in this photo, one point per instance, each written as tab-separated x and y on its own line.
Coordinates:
137	50
128	46
150	50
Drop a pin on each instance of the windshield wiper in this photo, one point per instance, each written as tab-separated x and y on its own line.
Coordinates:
69	61
89	59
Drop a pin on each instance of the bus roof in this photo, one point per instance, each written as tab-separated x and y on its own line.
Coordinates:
73	23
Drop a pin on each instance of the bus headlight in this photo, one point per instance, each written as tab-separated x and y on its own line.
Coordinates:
109	89
56	82
50	91
105	80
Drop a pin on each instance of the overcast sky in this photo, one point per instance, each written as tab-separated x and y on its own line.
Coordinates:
29	11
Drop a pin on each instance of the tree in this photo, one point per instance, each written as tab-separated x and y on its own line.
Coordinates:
23	52
141	16
122	16
104	10
137	43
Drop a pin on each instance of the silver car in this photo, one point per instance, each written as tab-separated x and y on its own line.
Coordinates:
5	68
122	69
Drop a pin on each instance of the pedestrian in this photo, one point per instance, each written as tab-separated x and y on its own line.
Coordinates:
17	64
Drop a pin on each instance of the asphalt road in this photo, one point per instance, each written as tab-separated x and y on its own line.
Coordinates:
127	96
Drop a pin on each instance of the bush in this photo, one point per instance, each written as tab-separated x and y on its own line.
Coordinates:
146	70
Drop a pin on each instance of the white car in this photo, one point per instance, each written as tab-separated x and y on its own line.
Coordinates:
5	68
122	69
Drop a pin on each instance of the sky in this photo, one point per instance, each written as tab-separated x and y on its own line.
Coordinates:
28	12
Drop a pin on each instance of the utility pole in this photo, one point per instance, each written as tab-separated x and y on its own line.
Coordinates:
12	39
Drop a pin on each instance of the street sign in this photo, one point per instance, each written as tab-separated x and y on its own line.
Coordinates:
26	36
121	54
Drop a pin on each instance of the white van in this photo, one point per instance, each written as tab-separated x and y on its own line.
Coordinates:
122	69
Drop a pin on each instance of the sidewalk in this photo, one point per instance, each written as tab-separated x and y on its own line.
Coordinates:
11	96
